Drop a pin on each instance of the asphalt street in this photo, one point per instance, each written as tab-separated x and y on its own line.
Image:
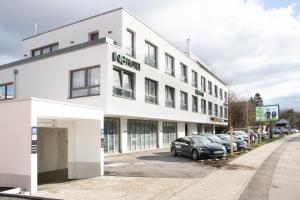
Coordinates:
278	177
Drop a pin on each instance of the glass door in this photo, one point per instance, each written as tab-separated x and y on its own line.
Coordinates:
111	135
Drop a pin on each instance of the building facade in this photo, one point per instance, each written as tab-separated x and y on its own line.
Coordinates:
150	92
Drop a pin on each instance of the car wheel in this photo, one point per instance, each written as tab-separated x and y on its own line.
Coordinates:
173	152
195	155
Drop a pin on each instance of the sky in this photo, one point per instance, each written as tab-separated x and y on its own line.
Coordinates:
253	45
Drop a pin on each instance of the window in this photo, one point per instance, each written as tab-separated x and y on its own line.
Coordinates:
170	97
203	106
169	65
194	104
7	91
194	79
94	36
123	83
151	91
85	82
44	50
150	54
169	133
216	91
221	94
210	108
209	87
130	43
221	111
225	113
183	101
203	84
226	97
183	75
216	110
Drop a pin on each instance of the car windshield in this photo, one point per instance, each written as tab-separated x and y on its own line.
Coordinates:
224	137
215	138
200	140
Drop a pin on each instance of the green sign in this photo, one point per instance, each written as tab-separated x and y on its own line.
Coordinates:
123	60
267	113
199	93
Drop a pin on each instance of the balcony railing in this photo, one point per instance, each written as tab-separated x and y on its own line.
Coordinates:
123	92
151	99
183	106
170	104
195	109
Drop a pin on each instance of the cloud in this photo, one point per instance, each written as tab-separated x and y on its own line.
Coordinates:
248	43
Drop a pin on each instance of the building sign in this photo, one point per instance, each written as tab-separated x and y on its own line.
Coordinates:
216	119
123	60
199	93
34	140
267	113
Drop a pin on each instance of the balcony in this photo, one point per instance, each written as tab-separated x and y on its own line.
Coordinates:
123	92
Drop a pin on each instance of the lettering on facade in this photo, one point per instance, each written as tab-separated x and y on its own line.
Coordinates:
123	60
199	93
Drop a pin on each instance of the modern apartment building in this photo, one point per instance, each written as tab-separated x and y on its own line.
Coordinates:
150	91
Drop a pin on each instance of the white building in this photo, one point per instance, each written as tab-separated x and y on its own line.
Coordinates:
150	92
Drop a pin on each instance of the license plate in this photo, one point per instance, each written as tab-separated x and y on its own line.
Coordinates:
218	152
178	147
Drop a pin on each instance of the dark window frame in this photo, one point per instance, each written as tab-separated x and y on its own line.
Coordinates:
85	82
203	83
91	35
210	87
195	108
195	83
156	91
44	47
173	64
203	111
132	50
5	95
167	104
123	90
148	61
184	106
210	108
182	77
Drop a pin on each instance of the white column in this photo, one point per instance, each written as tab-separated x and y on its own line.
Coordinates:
123	135
160	134
214	129
203	128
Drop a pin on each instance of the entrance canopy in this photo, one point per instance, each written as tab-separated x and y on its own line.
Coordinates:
19	121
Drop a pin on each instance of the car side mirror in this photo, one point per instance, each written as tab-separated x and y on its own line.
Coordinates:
189	143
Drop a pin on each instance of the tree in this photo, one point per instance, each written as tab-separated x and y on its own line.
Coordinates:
257	100
292	116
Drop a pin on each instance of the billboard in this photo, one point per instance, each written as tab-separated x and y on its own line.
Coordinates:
267	113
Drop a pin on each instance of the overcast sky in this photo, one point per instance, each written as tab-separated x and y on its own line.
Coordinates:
254	46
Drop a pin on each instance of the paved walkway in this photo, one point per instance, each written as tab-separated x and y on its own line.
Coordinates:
226	183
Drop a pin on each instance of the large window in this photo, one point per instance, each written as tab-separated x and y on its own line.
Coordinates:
216	110
111	135
150	54
183	101
225	112
209	87
169	62
216	91
221	111
85	82
203	106
7	91
194	104
203	84
151	91
194	79
169	133
123	83
221	94
226	97
170	97
210	109
141	134
183	75
94	36
130	43
45	49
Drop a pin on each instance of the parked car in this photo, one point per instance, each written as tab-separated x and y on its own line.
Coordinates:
241	135
294	130
197	147
226	143
241	144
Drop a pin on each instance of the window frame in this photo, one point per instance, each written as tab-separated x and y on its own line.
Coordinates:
184	106
221	94
132	50
174	97
40	49
168	56
122	89
210	89
216	110
203	111
85	82
203	83
156	91
210	111
196	73
152	63
184	78
5	95
216	91
195	108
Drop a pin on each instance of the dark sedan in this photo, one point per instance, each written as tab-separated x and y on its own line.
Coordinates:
226	143
197	147
241	144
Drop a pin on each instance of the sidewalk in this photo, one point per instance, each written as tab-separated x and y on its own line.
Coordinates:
225	184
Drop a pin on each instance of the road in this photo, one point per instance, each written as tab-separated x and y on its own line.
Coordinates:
279	176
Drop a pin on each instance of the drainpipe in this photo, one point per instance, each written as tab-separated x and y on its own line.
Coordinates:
15	83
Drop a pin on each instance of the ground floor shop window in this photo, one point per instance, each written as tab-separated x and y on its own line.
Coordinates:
169	132
111	135
141	134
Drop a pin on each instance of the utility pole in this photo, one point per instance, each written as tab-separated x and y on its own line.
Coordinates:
248	127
